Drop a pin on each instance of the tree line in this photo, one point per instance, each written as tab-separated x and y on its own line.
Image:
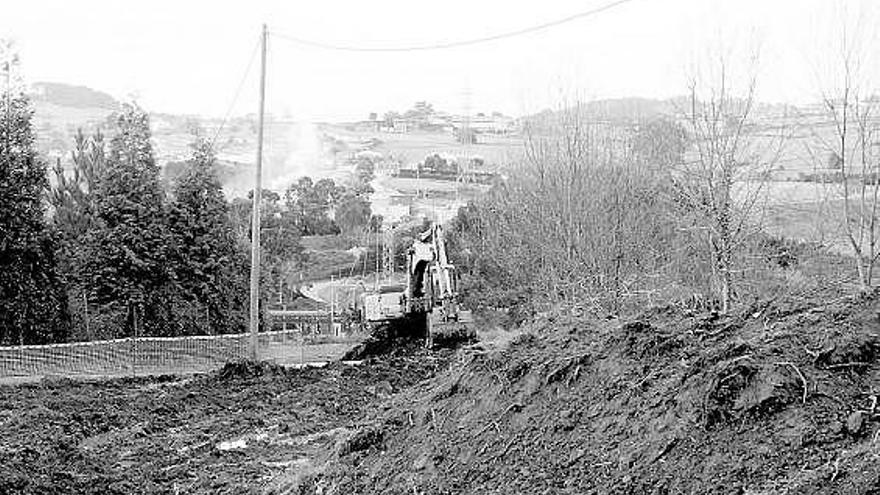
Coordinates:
611	218
104	251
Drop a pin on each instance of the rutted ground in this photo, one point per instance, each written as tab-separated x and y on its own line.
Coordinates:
233	431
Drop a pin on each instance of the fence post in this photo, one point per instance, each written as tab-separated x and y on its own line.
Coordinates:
86	309
134	348
302	345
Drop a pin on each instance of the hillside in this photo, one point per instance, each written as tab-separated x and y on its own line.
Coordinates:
779	398
616	110
73	96
61	109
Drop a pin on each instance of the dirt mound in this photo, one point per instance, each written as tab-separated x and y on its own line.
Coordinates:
249	369
451	335
399	337
407	336
781	398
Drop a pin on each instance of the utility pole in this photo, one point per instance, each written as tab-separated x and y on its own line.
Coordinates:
388	252
255	224
466	135
332	304
8	60
86	308
378	254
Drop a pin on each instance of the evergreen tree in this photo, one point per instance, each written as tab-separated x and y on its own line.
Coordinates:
73	198
127	270
74	204
211	269
32	307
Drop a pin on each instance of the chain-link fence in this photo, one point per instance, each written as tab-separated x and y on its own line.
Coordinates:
162	355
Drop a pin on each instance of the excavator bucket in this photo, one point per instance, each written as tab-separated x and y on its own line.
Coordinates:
444	331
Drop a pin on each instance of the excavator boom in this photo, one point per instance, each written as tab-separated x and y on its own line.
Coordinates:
432	288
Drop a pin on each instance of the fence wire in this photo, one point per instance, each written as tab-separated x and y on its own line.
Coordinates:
166	355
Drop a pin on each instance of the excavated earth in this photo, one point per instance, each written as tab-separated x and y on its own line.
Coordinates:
233	431
780	398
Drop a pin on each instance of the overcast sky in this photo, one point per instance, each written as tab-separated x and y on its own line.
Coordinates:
186	56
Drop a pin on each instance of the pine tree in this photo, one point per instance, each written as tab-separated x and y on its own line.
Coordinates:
74	204
32	307
211	269
73	197
127	270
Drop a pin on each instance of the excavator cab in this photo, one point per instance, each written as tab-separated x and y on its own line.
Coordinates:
433	290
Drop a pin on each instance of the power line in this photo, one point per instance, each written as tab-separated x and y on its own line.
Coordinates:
247	71
450	44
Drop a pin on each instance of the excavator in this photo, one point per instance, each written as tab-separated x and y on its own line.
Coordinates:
429	301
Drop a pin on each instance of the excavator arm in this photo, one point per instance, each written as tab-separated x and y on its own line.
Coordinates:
433	289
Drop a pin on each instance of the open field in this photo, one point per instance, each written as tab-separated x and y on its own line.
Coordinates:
818	222
328	255
410	148
396	198
497	151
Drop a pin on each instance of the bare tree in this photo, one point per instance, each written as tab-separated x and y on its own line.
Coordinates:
849	104
722	181
579	221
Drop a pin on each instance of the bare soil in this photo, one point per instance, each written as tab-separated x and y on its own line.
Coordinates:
781	398
233	431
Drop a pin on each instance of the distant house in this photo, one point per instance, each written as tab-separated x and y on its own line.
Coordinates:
404	125
481	123
487	124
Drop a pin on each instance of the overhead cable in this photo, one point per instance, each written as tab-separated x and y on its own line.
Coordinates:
247	71
449	44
